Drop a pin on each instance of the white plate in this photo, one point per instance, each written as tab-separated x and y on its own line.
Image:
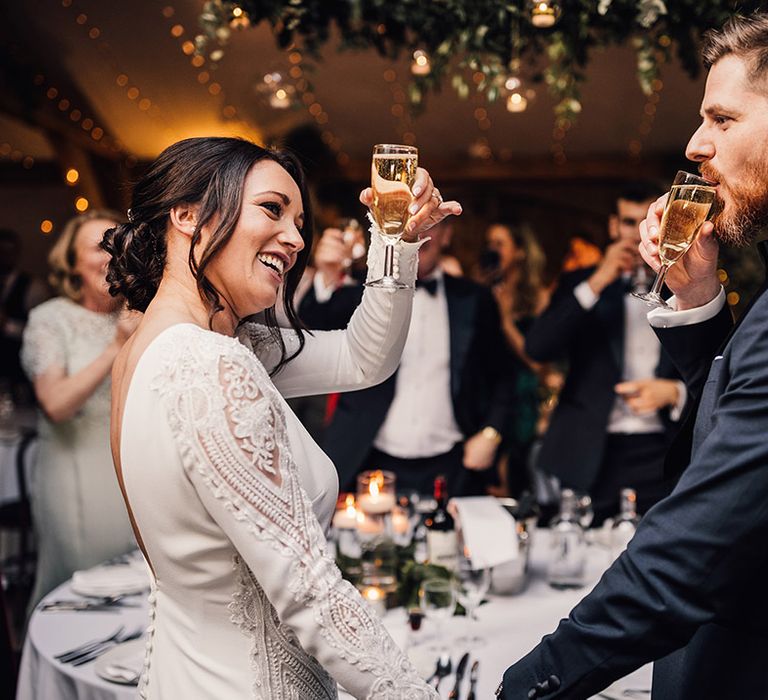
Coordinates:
123	663
105	581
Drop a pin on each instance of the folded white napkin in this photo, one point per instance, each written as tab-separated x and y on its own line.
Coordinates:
488	530
107	580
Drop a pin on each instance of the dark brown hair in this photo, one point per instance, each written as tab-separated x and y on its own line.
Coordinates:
744	37
211	172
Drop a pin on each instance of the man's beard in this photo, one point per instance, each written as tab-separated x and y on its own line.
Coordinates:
747	210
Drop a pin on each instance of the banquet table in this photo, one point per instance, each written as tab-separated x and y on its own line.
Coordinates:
510	626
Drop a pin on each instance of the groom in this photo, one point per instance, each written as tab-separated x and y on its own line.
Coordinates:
690	590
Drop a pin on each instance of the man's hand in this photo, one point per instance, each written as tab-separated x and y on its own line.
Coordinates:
620	257
646	396
330	255
693	278
479	452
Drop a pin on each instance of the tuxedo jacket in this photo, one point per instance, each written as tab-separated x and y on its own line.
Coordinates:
592	342
482	372
690	589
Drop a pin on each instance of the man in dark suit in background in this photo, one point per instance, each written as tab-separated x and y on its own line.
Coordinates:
622	396
444	409
689	591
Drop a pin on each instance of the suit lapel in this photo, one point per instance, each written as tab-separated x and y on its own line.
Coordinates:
461	313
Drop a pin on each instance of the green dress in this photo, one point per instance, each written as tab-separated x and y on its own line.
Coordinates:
79	515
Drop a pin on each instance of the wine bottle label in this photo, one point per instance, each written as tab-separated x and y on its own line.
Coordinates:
441	546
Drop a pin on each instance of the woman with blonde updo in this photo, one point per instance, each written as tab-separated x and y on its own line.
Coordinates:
69	345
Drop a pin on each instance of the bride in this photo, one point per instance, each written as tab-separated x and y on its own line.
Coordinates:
228	495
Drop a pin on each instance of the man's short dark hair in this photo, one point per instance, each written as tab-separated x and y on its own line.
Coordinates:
744	37
640	192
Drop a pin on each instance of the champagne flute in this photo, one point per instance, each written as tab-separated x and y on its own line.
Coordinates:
473	584
688	206
393	172
438	601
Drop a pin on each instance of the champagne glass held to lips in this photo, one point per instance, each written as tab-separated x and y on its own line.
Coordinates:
393	173
687	208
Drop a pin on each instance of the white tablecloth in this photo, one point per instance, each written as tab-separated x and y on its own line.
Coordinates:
511	626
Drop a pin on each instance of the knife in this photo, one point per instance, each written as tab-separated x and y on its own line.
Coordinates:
472	680
454	694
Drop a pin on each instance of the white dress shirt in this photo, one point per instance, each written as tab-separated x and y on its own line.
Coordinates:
420	421
641	357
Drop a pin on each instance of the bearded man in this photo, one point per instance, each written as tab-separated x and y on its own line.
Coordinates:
689	591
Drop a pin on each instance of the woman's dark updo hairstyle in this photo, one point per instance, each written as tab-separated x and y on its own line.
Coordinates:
211	172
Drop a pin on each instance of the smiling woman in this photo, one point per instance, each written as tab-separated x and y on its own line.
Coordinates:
228	495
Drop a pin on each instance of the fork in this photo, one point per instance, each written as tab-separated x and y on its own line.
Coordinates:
65	656
96	653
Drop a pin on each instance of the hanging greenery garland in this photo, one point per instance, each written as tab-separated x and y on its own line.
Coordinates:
479	44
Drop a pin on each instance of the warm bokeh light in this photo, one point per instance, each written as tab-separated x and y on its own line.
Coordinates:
72	176
81	204
46	226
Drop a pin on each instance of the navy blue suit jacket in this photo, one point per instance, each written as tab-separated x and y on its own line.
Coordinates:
690	588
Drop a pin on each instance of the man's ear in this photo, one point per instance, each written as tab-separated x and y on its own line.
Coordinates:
613	227
184	218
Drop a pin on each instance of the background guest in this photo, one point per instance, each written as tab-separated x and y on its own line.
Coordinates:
69	345
617	411
514	267
444	409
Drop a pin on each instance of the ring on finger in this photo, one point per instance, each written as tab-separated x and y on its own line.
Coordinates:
436	194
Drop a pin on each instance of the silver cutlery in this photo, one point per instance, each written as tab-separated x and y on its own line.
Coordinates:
93	604
87	646
473	680
442	670
454	694
96	653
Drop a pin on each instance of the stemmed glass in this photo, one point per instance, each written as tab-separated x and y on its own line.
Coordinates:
688	206
438	601
393	173
473	583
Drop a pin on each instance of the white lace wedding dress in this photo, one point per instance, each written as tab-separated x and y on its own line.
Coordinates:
231	498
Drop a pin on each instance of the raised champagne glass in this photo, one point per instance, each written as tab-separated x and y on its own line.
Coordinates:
393	172
688	207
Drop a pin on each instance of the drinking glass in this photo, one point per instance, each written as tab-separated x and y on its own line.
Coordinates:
393	172
438	601
688	206
473	584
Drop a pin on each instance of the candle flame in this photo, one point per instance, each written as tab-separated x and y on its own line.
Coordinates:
350	505
377	483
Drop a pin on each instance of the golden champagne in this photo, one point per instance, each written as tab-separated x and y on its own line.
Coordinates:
687	209
392	176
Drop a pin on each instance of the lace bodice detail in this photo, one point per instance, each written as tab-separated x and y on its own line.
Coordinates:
228	422
61	333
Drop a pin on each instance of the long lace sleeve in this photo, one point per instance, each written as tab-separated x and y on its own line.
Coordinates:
227	419
43	343
362	355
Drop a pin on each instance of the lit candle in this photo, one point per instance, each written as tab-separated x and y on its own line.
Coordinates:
369	526
346	518
377	501
400	523
376	599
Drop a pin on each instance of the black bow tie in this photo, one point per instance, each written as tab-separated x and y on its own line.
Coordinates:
429	285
